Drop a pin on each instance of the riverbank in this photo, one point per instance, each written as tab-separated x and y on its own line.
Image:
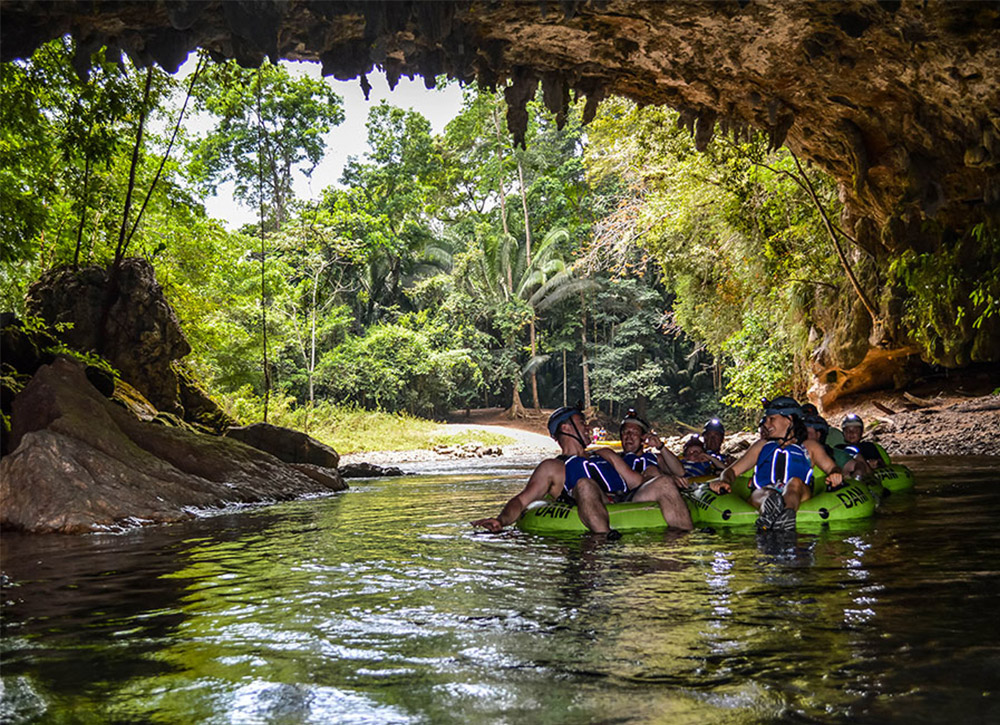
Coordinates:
524	442
943	424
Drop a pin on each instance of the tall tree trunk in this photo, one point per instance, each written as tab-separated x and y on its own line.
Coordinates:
527	261
122	240
312	338
583	350
83	213
503	196
166	154
113	291
516	409
263	253
565	391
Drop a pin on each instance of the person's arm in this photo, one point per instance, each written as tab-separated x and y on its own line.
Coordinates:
743	464
834	477
539	484
631	478
666	461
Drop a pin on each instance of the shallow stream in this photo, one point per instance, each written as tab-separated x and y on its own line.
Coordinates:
383	605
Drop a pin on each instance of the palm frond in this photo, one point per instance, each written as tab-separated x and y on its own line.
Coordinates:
534	363
558	288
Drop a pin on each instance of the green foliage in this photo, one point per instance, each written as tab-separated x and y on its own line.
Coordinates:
736	238
383	210
402	370
270	124
952	297
416	283
761	363
65	147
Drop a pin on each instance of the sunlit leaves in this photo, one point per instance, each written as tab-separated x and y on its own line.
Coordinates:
736	237
269	124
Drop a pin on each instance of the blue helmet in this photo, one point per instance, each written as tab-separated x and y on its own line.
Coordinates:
714	424
852	419
632	417
782	405
560	416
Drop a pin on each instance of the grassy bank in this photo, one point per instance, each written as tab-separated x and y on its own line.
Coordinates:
348	429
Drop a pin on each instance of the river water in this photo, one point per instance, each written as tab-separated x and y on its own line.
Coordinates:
383	605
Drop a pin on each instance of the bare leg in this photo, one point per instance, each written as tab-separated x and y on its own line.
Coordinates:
590	505
665	493
795	493
757	497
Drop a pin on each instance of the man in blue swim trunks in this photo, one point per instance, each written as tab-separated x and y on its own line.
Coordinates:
588	480
782	464
644	452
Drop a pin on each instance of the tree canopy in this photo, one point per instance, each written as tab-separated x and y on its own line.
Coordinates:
613	264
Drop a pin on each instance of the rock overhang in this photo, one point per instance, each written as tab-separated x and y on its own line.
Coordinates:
896	100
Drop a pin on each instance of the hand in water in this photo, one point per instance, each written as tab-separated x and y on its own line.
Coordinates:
492	525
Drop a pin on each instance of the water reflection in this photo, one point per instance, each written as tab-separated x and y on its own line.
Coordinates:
383	605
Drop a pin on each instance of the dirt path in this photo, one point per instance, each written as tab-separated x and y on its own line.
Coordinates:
523	438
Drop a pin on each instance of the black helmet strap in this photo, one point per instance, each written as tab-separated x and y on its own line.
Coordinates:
789	434
575	434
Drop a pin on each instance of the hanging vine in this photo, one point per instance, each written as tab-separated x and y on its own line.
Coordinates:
263	248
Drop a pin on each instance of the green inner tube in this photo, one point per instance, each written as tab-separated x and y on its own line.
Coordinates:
893	477
558	518
850	502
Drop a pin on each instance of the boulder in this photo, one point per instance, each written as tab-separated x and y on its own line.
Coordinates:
291	446
199	408
133	326
368	470
82	463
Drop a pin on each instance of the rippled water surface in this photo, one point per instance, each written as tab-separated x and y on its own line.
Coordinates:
383	605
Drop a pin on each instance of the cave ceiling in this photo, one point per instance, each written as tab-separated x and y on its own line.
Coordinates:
896	100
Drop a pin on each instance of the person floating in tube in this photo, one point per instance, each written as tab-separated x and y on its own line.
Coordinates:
782	464
644	452
589	481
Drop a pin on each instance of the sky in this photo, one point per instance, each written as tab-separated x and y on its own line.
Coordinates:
439	106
